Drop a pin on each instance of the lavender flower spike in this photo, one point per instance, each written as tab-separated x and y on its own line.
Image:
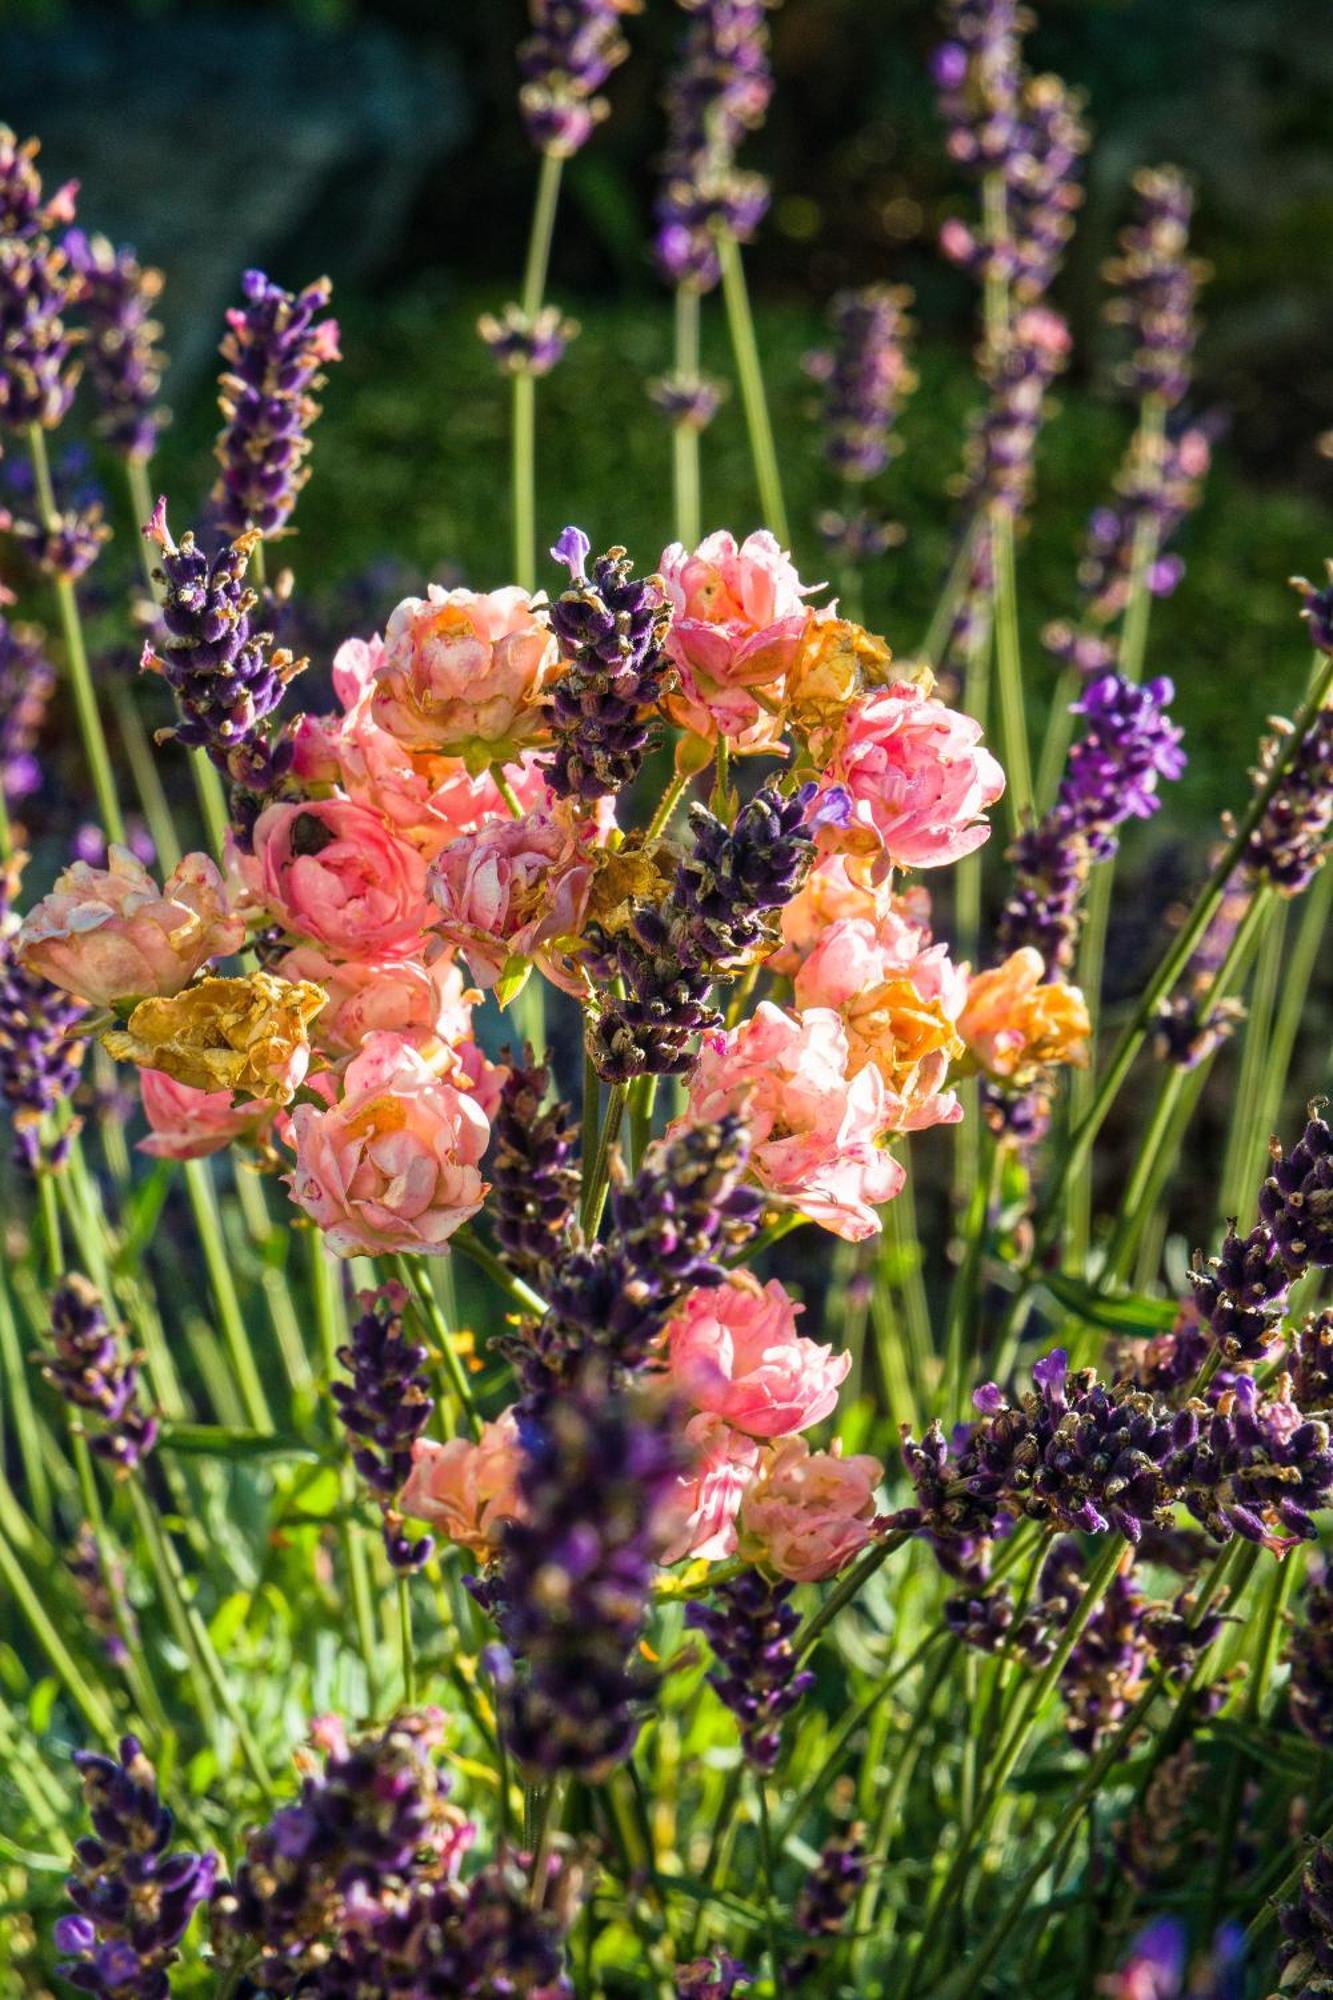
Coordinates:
750	1626
1158	283
865	377
1291	842
124	360
41	1048
386	1406
275	347
535	1183
572	50
91	1371
718	91
610	628
38	289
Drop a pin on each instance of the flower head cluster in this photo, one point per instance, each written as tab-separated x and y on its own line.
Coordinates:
865	378
690	400
385	1407
133	1894
1029	127
247	1036
527	344
1296	1199
612	670
274	348
738	619
125	362
1312	1361
717	93
1158	282
572	50
38	290
750	1625
535	1183
1241	1294
88	1366
1250	1463
825	1900
1289	846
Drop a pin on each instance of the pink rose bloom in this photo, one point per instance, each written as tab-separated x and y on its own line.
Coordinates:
816	1131
738	620
900	997
516	890
335	873
395	1163
467	1490
189	1124
734	1350
809	1512
462	670
920	779
426	1004
838	886
108	934
701	1515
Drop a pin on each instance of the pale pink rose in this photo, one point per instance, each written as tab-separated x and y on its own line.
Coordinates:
427	797
809	1512
816	1132
462	670
395	1163
734	1350
900	997
189	1124
108	934
919	777
467	1490
472	1070
516	889
336	873
738	620
427	1004
838	886
700	1515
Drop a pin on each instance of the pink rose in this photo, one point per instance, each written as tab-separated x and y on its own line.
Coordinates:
738	620
395	1163
809	1512
700	1519
816	1132
426	1004
108	934
189	1124
838	886
466	1490
334	872
734	1350
517	889
462	670
919	777
899	996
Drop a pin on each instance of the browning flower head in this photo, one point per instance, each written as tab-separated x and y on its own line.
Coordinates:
835	661
247	1035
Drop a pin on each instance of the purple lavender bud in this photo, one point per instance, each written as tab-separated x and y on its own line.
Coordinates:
1290	843
1306	1952
1296	1199
67	545
998	467
1309	1652
27	682
572	1591
275	346
535	1183
100	1588
750	1625
1107	1670
1248	1463
1312	1363
125	362
865	377
134	1895
572	50
610	628
716	1977
1158	282
716	94
38	372
718	916
527	346
26	209
689	400
90	1369
1241	1294
825	1900
978	73
41	1050
386	1406
1129	743
227	677
1317	610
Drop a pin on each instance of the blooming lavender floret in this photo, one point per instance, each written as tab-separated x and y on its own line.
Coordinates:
25	207
1108	1667
572	50
1296	1199
1291	842
1306	1952
610	627
386	1406
1241	1294
125	361
718	915
275	346
27	682
134	1895
717	93
1158	282
865	378
1312	1362
825	1900
227	677
750	1625
1249	1463
1317	610
571	1594
523	345
66	543
689	400
88	1366
535	1183
38	290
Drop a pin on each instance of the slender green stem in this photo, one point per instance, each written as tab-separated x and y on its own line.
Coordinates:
770	1889
515	1289
85	1698
415	1272
666	806
26	1428
331	1327
1147	457
1279	1046
524	437
965	1290
685	435
745	349
208	1225
1248	1137
1278	1588
405	1641
815	1626
955	583
1009	670
597	1182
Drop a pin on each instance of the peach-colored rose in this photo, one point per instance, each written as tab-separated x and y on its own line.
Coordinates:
700	1516
427	1004
835	662
816	1133
108	934
462	670
809	1512
336	873
738	619
395	1163
518	889
188	1124
919	777
899	997
250	1035
838	886
734	1350
429	798
467	1490
1016	1022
